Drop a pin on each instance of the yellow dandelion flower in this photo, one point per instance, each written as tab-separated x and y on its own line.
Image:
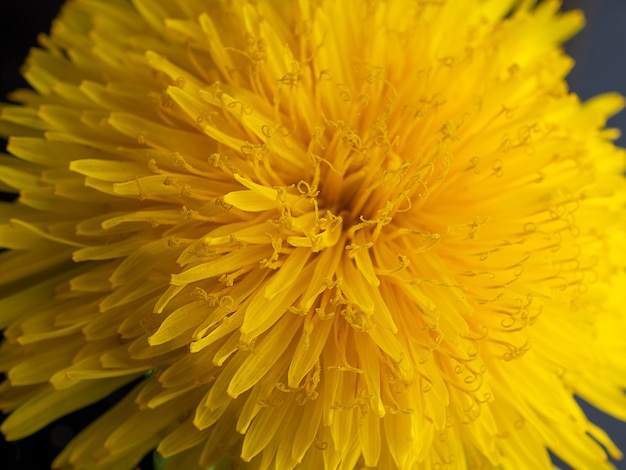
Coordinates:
323	234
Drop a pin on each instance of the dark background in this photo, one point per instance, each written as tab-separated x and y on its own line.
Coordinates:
600	53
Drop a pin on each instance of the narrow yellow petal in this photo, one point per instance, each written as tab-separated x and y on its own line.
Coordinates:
51	404
257	364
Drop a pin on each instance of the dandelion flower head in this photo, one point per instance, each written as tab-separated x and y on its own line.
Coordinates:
316	234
